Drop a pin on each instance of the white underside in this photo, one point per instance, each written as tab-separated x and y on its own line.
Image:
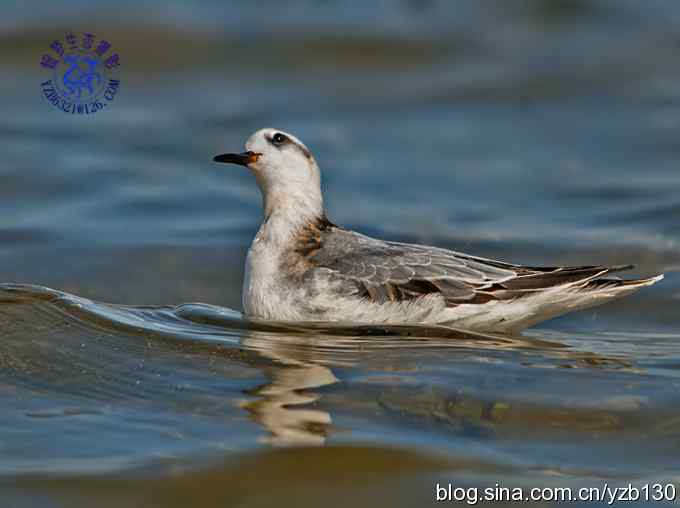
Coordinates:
497	316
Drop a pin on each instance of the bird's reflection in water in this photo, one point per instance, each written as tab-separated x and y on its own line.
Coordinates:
292	379
300	364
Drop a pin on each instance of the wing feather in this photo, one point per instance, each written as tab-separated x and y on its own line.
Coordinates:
390	271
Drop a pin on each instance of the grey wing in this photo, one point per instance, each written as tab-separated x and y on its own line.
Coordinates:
389	271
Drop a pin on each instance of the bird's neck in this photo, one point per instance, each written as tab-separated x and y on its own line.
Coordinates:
285	213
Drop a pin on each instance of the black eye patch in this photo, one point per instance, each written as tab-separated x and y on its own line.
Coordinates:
278	139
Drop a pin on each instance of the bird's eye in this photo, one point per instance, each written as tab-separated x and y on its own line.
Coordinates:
279	138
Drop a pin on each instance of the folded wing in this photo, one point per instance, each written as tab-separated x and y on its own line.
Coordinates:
389	271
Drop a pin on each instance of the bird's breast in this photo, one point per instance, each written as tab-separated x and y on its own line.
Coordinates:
257	282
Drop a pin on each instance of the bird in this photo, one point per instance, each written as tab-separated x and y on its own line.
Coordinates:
303	267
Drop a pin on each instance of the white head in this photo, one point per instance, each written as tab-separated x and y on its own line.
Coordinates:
286	172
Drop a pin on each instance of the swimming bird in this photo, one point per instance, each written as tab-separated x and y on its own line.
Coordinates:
303	267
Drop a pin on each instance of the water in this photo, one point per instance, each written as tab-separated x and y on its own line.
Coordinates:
545	133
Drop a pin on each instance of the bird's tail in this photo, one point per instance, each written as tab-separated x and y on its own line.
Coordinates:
589	292
613	288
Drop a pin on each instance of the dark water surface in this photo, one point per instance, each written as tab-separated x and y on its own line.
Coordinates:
543	133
